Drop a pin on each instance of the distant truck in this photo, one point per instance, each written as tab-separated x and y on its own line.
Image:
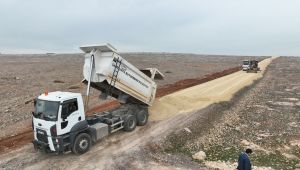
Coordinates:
59	120
250	66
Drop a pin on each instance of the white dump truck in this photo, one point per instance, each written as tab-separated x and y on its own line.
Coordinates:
250	66
59	120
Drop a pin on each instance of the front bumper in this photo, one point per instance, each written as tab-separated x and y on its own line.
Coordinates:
59	145
38	145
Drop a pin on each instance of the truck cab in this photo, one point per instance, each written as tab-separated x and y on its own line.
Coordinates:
246	65
250	66
56	115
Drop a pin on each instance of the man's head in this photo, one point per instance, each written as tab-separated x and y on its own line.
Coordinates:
248	151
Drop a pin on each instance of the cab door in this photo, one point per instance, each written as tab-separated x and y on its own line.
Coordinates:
69	116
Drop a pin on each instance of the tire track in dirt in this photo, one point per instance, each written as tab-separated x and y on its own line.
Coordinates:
25	136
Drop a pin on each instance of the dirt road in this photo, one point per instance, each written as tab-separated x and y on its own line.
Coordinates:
108	153
198	97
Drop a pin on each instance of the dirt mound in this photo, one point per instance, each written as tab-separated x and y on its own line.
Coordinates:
16	141
182	84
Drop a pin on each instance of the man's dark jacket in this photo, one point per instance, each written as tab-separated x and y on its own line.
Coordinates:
244	162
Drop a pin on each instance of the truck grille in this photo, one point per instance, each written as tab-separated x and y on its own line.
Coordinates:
42	135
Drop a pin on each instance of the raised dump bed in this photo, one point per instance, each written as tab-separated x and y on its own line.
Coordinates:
114	76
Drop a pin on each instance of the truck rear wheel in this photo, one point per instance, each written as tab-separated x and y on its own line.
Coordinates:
129	123
142	117
82	143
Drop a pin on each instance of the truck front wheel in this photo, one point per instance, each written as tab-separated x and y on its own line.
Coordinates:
82	143
129	123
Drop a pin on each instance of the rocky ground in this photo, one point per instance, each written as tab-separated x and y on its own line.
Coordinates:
264	117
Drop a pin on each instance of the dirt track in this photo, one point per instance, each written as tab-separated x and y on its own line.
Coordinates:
106	153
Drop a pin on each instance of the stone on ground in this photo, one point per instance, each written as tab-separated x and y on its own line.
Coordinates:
199	156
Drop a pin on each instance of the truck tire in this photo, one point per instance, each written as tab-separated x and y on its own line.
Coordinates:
129	123
82	143
142	118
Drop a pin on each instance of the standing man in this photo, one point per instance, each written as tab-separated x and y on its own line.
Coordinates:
244	161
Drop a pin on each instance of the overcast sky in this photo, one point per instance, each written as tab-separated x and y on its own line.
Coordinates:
248	27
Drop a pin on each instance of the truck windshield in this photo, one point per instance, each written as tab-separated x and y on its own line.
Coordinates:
245	62
46	110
